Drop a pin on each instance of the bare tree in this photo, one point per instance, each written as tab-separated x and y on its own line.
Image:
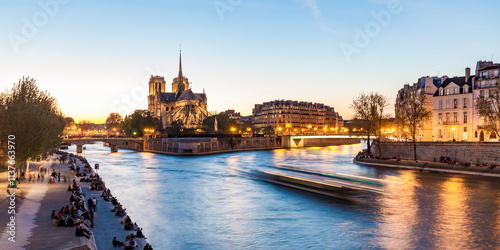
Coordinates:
381	103
367	108
411	114
488	107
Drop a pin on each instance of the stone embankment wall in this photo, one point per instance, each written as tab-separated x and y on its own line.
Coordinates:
203	146
322	142
127	145
472	152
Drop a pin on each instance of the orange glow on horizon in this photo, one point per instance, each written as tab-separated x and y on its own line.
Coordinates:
91	119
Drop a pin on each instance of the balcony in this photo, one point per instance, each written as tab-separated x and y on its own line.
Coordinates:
450	123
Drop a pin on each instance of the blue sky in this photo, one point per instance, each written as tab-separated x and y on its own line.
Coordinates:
96	57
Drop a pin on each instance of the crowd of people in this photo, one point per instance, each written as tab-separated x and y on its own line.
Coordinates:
77	215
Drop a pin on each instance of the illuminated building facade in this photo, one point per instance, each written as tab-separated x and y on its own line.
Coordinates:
297	118
179	105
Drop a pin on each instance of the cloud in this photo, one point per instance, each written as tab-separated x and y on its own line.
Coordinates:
316	13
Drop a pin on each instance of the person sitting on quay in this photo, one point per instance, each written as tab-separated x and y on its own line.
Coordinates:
126	220
132	243
70	222
128	226
66	210
139	233
83	224
148	247
117	243
61	222
81	232
54	214
120	212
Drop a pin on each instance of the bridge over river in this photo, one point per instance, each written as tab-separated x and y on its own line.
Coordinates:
113	142
211	145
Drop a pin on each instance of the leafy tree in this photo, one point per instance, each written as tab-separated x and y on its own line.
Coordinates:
175	128
411	114
33	117
113	121
269	130
138	121
224	123
69	120
85	126
488	107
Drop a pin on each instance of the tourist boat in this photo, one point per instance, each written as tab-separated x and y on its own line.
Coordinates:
339	186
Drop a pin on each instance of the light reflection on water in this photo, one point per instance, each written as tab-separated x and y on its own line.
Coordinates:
211	202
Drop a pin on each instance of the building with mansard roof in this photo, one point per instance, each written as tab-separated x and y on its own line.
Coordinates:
182	104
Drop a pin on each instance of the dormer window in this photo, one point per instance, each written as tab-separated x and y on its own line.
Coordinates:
447	91
466	89
440	91
484	74
457	91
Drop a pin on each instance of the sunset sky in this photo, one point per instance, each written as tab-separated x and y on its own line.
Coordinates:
96	57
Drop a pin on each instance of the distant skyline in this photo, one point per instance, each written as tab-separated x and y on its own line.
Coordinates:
96	57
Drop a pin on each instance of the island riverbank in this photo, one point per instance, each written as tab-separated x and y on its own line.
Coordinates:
430	166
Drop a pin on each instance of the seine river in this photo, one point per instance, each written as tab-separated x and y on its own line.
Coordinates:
210	202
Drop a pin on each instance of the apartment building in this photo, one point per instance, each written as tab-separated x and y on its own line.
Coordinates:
430	86
453	109
297	118
487	77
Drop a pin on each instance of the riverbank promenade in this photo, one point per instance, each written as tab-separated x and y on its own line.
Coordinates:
34	201
106	224
36	198
431	166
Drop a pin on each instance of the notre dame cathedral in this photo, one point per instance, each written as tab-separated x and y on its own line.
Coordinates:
180	104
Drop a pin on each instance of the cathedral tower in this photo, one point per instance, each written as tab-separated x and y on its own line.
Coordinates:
180	83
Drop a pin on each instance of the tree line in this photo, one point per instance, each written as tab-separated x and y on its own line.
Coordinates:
33	118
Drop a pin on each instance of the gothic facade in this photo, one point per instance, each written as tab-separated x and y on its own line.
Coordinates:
179	105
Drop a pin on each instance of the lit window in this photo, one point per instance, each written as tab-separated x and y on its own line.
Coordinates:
447	91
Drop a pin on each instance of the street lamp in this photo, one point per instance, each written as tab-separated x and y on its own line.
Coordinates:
453	129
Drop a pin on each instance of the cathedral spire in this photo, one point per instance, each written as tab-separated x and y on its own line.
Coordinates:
180	63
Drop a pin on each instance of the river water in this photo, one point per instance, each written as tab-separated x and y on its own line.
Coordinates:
210	202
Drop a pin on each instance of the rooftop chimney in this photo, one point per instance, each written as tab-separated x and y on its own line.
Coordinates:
467	74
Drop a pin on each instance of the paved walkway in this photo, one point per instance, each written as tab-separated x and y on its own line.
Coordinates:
34	227
27	200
